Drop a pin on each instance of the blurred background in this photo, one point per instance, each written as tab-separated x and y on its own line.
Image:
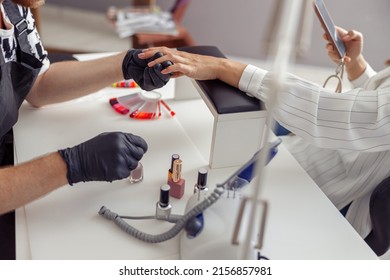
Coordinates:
238	28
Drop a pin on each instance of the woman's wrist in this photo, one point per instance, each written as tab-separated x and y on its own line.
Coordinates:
356	67
230	71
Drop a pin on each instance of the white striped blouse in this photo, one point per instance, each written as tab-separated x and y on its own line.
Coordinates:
342	140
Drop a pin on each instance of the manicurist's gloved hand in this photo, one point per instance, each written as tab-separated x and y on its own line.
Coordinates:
106	157
148	78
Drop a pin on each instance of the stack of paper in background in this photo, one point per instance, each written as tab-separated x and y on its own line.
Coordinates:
130	21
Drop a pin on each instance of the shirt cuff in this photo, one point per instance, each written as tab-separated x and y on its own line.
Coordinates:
360	81
251	80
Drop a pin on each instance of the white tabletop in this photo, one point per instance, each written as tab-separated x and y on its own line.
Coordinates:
302	222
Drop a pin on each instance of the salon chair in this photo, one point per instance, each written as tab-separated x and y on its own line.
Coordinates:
379	237
181	39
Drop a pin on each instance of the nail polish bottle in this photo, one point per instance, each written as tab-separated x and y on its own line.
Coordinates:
163	207
170	171
176	183
201	187
201	183
137	174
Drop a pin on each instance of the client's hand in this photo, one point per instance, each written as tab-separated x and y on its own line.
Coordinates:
353	42
195	66
199	67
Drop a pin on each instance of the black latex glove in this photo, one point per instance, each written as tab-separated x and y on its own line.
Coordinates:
148	78
106	157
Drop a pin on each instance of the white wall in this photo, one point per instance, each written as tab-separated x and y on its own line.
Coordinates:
240	27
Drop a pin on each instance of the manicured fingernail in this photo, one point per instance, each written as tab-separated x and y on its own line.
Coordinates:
141	55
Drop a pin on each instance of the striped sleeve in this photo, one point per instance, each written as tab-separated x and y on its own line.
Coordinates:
355	120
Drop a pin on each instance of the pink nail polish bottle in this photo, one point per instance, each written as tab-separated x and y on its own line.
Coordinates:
176	183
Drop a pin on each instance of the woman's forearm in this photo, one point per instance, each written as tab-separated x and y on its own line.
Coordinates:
230	71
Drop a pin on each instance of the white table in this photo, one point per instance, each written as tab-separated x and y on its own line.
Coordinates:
302	222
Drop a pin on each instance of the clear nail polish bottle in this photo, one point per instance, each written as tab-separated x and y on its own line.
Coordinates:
137	174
